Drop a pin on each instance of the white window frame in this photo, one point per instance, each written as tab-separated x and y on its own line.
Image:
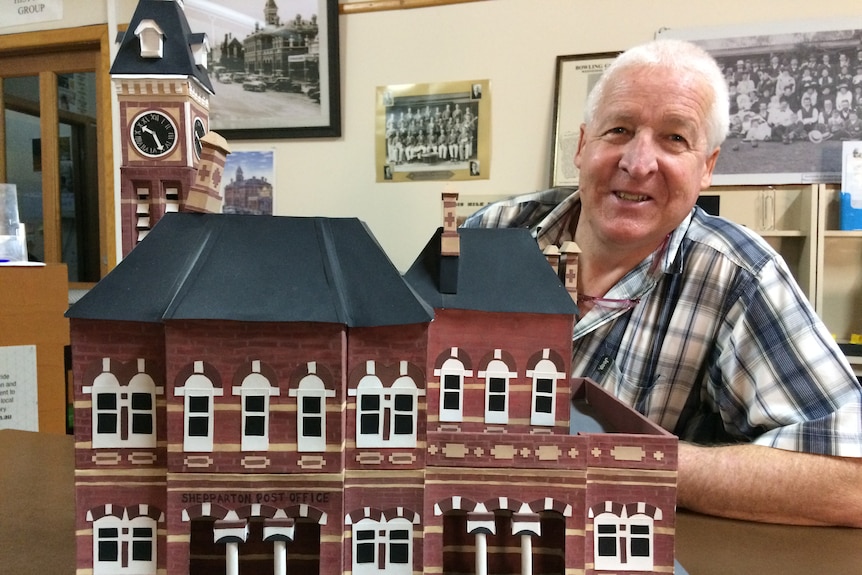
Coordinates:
125	541
310	386
623	559
196	386
106	383
544	370
452	368
387	399
255	385
497	369
382	545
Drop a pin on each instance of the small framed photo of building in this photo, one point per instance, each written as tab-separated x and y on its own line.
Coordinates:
249	182
274	67
437	131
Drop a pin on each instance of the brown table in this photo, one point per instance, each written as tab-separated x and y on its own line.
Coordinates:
37	529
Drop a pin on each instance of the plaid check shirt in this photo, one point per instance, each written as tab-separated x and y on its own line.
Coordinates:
723	346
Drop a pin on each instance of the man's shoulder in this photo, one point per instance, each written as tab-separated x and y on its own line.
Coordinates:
736	242
521	211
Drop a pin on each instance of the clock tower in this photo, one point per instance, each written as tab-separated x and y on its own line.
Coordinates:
163	90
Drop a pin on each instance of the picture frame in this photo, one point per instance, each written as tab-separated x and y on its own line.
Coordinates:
575	76
290	88
406	114
815	158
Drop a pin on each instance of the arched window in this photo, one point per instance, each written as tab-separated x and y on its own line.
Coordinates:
123	415
311	394
255	392
383	546
124	540
497	376
623	536
386	416
452	376
544	376
199	409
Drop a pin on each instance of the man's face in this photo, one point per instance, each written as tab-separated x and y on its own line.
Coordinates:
643	160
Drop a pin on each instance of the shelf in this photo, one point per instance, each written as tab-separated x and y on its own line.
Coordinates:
782	233
842	233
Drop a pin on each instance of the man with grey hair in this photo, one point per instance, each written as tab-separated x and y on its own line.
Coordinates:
695	321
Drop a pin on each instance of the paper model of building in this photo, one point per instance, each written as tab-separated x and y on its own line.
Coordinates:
269	395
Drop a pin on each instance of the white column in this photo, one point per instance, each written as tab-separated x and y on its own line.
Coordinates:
280	559
526	554
481	554
232	558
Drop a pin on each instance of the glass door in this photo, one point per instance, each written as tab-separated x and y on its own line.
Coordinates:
57	150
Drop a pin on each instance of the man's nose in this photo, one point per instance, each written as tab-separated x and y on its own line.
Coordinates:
639	157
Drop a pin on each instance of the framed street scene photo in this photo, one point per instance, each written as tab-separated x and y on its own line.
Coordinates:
274	67
575	77
795	97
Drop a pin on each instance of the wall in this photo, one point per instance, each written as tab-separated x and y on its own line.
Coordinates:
513	43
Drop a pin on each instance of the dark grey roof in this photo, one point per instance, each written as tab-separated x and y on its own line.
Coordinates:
177	58
500	270
256	268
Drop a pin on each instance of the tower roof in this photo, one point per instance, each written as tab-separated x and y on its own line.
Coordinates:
177	57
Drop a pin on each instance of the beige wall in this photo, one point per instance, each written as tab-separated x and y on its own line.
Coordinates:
513	43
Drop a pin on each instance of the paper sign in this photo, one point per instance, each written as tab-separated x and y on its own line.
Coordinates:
19	408
20	12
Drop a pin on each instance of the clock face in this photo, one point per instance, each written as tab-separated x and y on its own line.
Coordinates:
154	134
199	132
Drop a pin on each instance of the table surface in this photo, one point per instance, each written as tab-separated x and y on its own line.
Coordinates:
37	526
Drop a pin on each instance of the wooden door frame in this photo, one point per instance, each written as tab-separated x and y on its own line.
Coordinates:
67	42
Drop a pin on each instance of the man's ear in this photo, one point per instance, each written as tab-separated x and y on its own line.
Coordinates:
706	180
580	146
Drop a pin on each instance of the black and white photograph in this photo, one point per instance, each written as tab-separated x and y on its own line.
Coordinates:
575	75
433	131
795	97
274	66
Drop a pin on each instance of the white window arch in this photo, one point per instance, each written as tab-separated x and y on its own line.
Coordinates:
199	410
497	378
311	394
386	417
383	547
255	391
544	398
106	408
123	546
123	415
452	376
623	541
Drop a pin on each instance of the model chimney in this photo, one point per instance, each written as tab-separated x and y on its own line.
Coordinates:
571	253
450	245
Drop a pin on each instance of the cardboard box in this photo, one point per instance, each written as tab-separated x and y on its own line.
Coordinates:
34	301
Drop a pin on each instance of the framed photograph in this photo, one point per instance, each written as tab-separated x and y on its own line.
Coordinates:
274	67
796	96
436	131
249	182
575	77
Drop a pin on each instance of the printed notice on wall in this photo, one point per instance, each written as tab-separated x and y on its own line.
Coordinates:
21	12
19	407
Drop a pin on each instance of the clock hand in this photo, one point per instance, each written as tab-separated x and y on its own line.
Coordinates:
155	137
